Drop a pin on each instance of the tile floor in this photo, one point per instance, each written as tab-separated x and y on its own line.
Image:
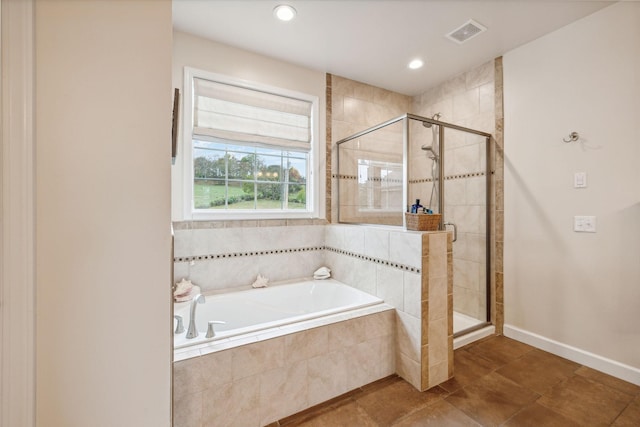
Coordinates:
498	382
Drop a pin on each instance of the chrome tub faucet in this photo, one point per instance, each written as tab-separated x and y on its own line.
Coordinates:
192	332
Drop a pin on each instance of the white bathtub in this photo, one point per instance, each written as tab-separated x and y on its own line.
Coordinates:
255	310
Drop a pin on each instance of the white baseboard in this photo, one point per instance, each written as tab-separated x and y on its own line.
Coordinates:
599	363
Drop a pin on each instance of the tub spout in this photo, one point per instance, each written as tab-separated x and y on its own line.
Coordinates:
192	332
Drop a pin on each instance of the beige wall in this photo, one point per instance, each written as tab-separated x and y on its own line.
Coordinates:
103	239
207	55
578	289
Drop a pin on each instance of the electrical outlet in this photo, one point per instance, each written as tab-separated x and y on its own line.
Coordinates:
584	224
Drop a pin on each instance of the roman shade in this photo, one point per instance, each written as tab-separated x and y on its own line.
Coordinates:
251	117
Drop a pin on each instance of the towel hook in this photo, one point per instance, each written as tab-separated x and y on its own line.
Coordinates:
573	136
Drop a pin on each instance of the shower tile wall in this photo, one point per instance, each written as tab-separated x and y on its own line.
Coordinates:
355	107
472	99
467	100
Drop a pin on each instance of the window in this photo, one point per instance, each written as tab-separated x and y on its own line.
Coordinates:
251	149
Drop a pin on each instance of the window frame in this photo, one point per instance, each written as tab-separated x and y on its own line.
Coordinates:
313	183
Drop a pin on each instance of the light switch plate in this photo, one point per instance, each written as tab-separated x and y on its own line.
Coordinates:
584	224
580	180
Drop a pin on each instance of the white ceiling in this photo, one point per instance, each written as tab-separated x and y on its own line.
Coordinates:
373	41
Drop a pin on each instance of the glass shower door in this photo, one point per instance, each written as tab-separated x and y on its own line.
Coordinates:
466	207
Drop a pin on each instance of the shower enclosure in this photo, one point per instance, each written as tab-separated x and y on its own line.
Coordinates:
384	169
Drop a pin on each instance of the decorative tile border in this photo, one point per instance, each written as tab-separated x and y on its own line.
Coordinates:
449	177
465	175
374	260
374	179
341	176
387	263
246	254
413	181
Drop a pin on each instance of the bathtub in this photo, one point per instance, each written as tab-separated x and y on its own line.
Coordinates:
283	349
268	312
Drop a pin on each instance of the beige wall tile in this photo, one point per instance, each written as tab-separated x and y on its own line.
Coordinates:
236	404
408	335
438	343
346	334
405	248
424	374
481	75
389	286
379	325
424	322
306	344
290	381
327	377
438	373
387	355
466	104
437	298
409	370
342	86
450	315
257	358
487	97
413	294
187	409
425	244
437	265
454	86
363	363
199	373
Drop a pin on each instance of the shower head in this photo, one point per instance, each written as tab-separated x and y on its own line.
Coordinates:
436	116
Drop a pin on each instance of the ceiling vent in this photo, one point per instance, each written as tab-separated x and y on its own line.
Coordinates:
467	31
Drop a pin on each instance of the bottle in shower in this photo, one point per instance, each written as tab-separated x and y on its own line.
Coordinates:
417	207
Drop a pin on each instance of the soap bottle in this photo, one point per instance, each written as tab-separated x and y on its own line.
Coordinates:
417	207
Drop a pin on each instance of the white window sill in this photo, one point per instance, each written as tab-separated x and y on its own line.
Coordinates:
251	215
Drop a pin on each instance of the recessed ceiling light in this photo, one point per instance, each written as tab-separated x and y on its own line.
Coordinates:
415	64
284	12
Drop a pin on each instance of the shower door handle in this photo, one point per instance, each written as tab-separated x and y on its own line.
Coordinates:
455	230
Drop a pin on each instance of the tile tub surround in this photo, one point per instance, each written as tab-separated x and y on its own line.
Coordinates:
421	294
259	383
412	271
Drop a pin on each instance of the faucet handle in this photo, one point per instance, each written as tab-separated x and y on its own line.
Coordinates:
210	331
180	325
